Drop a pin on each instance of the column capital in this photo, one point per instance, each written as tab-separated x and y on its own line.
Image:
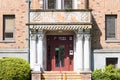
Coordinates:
40	35
87	36
33	36
80	36
37	34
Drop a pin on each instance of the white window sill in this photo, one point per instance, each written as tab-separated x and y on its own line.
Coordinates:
7	41
112	41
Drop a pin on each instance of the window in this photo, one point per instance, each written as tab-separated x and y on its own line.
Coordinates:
8	27
112	61
51	4
67	4
111	23
58	4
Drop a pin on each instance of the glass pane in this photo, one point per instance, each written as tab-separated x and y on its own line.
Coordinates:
59	55
70	38
9	23
49	55
62	38
67	4
110	26
51	4
9	35
55	38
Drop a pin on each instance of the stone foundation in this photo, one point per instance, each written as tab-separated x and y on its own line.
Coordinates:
86	76
35	75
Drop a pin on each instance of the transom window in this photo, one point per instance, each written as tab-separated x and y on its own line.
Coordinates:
58	4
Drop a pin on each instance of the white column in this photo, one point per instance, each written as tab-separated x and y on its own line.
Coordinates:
87	52
58	4
32	51
39	58
79	53
74	4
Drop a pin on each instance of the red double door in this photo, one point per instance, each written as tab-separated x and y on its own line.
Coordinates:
60	53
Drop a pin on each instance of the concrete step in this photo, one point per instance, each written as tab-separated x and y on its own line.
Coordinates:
60	75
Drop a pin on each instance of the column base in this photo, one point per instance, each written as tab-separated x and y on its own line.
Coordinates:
79	70
87	70
37	67
83	71
36	75
86	76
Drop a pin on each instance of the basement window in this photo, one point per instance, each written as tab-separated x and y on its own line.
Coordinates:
112	61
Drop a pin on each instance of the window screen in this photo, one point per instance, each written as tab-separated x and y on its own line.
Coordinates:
111	26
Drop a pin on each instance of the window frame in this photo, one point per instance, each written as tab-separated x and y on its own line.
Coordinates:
12	17
115	28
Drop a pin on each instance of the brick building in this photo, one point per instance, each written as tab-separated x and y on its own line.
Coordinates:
13	30
61	36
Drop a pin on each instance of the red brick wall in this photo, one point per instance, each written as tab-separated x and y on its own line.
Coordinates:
19	9
36	4
99	9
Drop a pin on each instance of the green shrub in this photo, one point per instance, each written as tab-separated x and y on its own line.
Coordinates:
14	69
109	73
97	74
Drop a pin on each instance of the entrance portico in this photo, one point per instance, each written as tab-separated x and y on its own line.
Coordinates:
57	24
81	45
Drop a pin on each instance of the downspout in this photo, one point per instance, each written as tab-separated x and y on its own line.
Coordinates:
28	7
86	4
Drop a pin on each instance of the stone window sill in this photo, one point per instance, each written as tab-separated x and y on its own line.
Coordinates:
112	41
7	41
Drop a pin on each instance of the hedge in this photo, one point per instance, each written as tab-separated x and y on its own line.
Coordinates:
109	73
14	69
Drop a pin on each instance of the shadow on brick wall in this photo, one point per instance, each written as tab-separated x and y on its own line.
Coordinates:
95	39
95	35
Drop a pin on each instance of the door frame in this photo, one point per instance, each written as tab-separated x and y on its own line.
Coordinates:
70	57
